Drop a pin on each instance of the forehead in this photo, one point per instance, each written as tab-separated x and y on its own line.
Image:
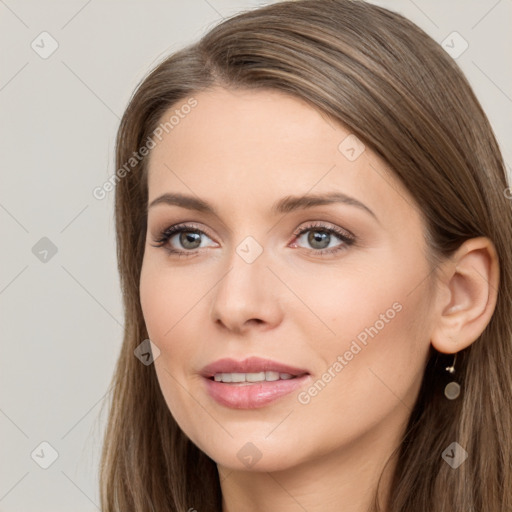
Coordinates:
235	126
254	146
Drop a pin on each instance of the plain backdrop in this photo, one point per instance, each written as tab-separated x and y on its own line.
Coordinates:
61	309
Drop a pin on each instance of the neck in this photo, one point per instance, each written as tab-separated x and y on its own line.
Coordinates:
344	479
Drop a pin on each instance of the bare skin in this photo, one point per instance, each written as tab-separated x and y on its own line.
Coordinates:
241	151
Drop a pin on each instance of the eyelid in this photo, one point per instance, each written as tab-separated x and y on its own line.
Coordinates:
327	226
184	226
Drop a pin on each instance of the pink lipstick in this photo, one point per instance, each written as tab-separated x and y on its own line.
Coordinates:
251	383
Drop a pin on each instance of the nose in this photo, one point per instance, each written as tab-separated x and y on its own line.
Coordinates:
247	296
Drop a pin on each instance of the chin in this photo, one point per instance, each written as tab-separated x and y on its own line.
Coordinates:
268	463
255	455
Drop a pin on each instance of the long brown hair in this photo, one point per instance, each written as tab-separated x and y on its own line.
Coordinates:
381	76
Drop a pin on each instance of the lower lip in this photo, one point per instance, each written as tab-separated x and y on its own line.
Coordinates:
252	396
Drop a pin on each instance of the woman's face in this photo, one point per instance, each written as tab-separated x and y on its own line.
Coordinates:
272	265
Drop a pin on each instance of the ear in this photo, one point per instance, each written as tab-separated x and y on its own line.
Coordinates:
467	295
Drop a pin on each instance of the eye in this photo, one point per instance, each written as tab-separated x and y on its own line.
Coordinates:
188	237
324	239
185	239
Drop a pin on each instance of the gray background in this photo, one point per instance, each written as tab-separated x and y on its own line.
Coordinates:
61	311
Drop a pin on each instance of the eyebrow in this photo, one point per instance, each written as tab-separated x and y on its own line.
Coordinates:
285	205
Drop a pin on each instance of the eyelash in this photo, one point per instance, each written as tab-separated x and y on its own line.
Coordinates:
347	238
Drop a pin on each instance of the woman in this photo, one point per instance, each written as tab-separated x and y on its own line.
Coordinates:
313	231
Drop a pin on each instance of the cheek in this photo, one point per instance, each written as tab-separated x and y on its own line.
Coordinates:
363	299
375	334
174	307
167	301
375	361
365	386
167	315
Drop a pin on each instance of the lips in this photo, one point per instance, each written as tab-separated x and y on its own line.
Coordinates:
237	384
250	365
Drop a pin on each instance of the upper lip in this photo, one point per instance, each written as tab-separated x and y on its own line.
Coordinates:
249	365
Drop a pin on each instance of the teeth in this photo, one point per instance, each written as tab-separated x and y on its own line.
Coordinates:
254	377
251	377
